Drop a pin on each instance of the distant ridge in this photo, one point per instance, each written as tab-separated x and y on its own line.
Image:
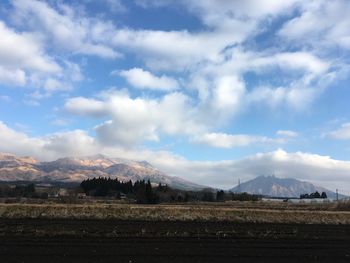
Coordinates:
280	187
70	170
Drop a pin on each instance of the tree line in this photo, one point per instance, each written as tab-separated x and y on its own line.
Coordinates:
313	195
144	192
106	187
26	191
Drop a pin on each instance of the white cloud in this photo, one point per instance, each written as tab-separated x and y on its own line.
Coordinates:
24	62
116	6
343	133
207	10
142	79
65	28
22	54
86	107
301	60
158	50
291	97
221	96
135	120
239	60
226	26
64	81
223	140
320	23
20	142
321	170
15	77
227	95
24	51
241	9
48	147
302	77
71	143
287	133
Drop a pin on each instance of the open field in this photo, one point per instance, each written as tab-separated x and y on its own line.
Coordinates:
64	240
108	231
233	212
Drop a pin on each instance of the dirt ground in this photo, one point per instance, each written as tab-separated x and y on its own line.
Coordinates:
73	240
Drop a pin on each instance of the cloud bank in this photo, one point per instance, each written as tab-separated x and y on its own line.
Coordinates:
321	170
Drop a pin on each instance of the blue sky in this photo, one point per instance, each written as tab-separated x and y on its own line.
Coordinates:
205	90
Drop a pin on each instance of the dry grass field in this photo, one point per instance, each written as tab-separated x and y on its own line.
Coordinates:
109	231
250	212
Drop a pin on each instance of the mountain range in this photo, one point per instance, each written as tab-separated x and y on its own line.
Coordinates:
75	170
14	168
280	187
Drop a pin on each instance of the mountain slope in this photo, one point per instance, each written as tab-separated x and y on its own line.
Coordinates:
13	168
279	187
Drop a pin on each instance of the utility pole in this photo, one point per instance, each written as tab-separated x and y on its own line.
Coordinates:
336	194
239	186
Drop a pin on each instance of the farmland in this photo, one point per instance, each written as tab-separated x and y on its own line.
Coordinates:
78	240
251	212
106	231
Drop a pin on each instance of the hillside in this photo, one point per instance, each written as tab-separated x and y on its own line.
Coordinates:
279	187
14	168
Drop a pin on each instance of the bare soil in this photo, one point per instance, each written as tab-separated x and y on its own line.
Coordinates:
76	240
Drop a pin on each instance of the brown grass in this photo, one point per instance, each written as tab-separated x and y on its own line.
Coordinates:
343	206
209	212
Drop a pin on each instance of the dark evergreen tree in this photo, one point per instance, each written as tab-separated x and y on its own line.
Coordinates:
208	196
220	196
109	187
317	195
149	192
140	190
244	197
313	195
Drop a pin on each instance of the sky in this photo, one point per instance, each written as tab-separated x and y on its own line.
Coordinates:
211	91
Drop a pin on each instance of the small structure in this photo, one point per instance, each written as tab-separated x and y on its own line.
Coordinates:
63	192
278	200
310	200
81	196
